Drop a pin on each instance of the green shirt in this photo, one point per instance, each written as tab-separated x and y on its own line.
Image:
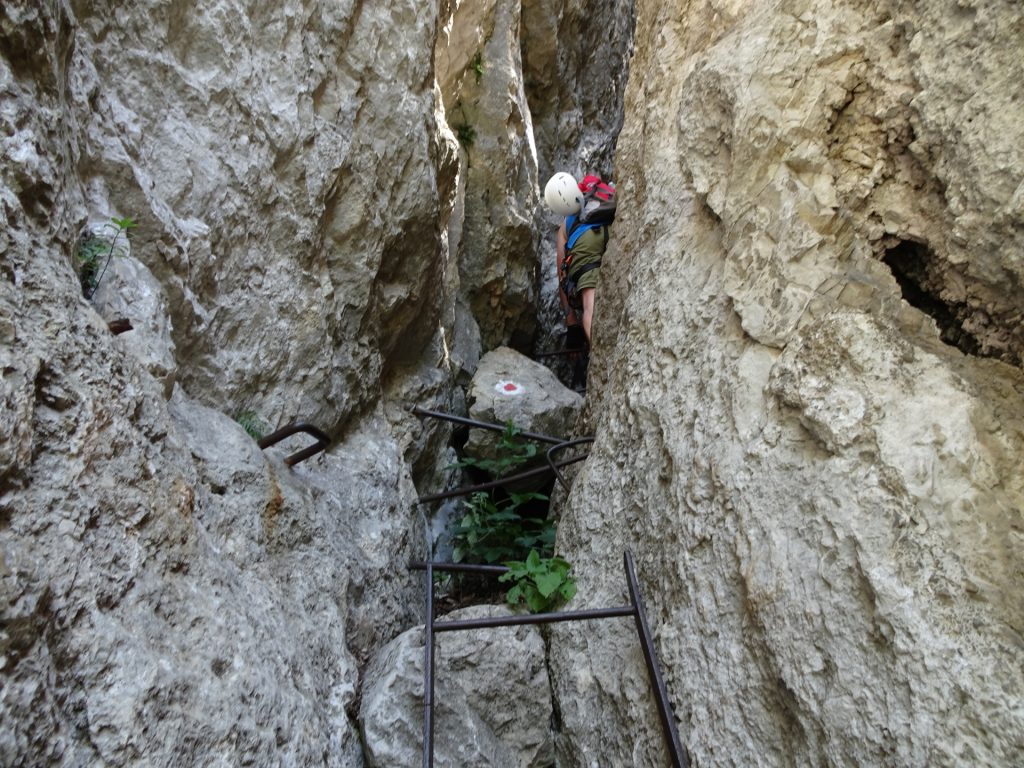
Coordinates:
588	249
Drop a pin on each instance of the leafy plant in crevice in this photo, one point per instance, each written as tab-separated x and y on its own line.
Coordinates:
466	134
493	526
512	452
252	424
464	130
499	527
477	65
91	249
492	529
542	583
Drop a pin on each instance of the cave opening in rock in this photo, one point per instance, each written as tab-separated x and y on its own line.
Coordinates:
913	266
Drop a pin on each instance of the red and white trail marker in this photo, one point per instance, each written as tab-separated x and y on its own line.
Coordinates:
508	388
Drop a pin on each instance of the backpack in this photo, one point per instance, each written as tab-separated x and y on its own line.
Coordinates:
598	209
598	201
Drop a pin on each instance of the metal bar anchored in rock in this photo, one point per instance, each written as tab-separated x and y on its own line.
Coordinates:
484	425
468	489
680	758
677	752
322	441
568	444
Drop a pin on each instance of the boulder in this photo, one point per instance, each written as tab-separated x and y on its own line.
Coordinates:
509	386
492	702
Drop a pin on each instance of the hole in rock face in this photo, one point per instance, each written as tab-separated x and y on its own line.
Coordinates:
920	278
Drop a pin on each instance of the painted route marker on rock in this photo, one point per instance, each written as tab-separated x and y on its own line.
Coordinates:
509	388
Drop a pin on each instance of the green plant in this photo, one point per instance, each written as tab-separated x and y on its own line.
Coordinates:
543	583
492	530
493	527
512	453
91	248
477	65
252	424
466	134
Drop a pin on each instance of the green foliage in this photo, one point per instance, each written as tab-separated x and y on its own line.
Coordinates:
252	424
543	583
513	452
494	530
90	250
466	134
123	225
477	65
92	247
493	527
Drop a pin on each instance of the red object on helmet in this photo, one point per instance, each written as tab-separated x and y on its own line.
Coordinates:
594	184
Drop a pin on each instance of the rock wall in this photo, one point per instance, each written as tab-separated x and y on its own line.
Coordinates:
806	391
806	384
479	72
170	593
313	243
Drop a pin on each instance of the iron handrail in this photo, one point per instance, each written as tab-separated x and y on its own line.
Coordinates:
561	352
482	425
567	444
468	489
322	441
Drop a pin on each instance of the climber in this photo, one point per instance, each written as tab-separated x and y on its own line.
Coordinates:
589	209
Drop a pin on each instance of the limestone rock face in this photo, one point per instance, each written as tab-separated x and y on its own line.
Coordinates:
479	73
492	698
168	592
130	292
822	489
286	170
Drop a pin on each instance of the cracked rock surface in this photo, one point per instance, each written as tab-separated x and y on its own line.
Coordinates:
822	489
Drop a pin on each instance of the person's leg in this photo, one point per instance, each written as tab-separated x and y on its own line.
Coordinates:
587	296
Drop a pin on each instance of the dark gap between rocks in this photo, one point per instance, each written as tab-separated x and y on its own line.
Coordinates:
913	266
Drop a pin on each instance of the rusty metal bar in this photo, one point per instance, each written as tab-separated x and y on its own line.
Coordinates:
534	618
419	565
568	444
561	352
680	759
465	490
483	425
428	673
322	441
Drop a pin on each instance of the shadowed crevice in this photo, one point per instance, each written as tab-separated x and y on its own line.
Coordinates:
914	267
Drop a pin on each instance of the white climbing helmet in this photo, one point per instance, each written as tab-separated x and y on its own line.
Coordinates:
562	194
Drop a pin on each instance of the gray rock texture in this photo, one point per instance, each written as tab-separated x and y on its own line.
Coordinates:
129	291
806	384
492	698
169	594
822	489
479	73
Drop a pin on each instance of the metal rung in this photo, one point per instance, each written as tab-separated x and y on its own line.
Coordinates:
322	441
677	752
